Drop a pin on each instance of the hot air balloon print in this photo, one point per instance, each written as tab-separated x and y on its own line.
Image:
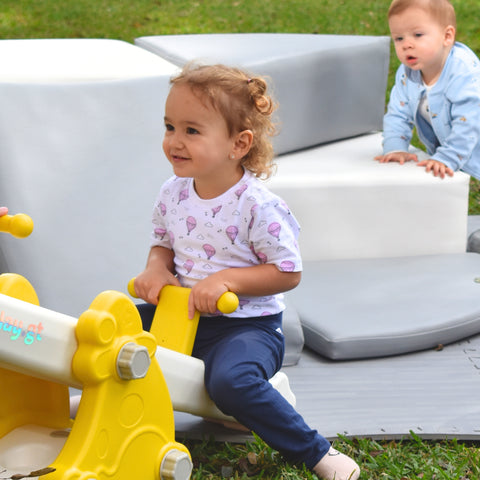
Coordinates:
240	190
209	250
274	230
183	195
191	224
242	302
163	209
287	266
188	265
232	232
216	210
160	232
252	213
262	257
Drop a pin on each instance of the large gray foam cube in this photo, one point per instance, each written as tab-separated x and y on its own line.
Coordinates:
328	87
81	128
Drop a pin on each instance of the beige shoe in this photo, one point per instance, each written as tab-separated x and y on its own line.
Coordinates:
336	466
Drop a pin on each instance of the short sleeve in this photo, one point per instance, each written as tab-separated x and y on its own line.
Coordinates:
274	235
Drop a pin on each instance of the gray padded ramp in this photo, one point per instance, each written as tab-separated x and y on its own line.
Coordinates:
386	306
434	393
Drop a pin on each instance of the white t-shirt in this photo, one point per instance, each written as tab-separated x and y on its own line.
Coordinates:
423	107
245	226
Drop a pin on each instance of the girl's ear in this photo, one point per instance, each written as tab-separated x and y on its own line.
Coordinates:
449	39
243	143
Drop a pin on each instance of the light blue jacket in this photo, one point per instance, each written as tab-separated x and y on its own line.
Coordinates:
454	104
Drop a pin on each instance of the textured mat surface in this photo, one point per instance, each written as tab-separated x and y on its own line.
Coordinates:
433	393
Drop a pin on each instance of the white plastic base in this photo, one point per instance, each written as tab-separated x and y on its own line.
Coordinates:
185	379
29	448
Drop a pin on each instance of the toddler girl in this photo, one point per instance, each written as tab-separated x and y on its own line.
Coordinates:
217	228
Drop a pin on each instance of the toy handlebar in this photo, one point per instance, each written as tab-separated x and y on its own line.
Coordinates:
19	225
227	303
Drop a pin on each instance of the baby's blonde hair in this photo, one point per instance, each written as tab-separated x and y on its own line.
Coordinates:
442	11
243	102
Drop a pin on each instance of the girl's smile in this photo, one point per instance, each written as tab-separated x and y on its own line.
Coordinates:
197	143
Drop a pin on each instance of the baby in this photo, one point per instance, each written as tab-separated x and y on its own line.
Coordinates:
436	90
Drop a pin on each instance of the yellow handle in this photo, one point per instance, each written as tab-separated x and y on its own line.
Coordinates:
131	288
227	303
19	225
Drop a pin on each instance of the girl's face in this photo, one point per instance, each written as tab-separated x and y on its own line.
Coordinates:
420	42
198	145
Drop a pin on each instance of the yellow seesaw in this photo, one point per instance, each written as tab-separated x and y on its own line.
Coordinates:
124	427
132	381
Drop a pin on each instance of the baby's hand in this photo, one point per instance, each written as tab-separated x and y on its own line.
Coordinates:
400	157
438	169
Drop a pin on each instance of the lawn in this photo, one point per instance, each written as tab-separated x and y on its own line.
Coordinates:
410	458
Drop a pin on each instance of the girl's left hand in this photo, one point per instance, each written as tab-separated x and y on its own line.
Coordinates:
438	169
205	294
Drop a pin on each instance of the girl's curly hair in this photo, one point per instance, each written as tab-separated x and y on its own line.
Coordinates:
243	102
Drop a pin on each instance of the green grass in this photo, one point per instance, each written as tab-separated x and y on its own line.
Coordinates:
408	459
128	19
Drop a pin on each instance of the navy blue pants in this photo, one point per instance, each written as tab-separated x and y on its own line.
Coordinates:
240	355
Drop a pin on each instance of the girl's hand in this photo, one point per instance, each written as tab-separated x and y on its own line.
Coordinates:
255	281
205	294
158	273
3	211
438	169
149	283
400	157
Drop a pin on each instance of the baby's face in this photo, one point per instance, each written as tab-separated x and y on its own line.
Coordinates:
421	43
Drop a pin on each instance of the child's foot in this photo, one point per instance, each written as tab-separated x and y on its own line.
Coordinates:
336	466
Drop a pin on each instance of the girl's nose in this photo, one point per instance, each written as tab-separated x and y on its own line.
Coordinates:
175	139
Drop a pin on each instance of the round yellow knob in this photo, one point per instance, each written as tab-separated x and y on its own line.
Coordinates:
131	288
228	302
19	225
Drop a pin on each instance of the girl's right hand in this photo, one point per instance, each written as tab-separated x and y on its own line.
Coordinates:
149	283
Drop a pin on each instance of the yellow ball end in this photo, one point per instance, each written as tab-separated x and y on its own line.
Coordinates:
21	225
131	288
228	302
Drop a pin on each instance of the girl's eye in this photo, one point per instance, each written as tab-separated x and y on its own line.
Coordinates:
419	35
169	127
192	131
